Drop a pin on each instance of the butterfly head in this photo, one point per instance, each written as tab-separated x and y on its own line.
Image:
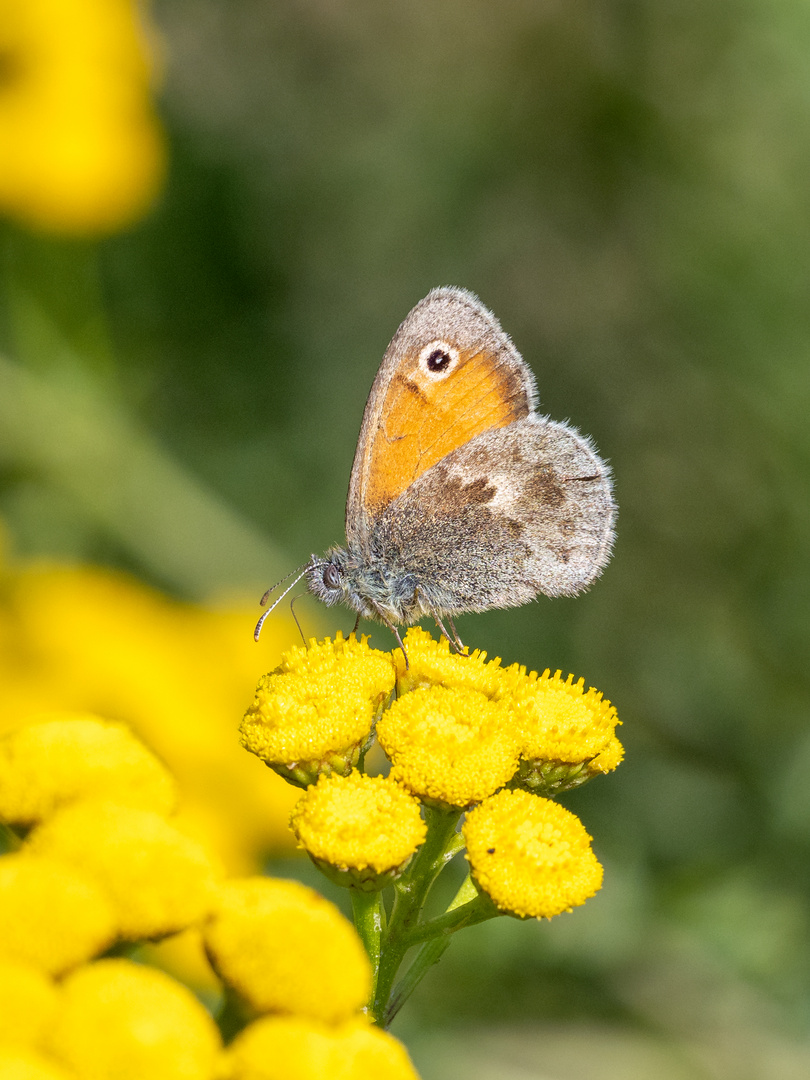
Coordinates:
326	576
371	587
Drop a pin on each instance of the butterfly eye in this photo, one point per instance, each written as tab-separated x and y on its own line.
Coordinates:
438	358
331	576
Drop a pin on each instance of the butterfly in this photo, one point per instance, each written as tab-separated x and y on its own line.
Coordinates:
462	497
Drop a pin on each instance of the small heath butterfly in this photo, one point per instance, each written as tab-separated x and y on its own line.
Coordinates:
462	497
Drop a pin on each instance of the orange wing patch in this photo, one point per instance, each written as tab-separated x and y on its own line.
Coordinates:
423	420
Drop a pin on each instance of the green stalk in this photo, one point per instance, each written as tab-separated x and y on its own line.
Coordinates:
436	934
369	917
411	891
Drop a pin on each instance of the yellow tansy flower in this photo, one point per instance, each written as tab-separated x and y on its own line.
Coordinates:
559	719
563	728
361	830
452	746
124	1021
431	663
284	948
19	1063
61	757
81	147
159	880
53	916
292	1048
314	713
28	1001
530	855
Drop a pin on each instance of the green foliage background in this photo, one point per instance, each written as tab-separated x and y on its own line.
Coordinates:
626	185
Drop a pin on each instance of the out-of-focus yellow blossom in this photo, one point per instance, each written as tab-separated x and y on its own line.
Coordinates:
81	147
362	830
124	1021
28	1001
431	663
314	713
19	1063
284	948
452	746
175	673
291	1048
158	879
530	855
60	757
53	916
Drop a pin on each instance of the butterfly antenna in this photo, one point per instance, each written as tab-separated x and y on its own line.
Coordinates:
301	570
307	568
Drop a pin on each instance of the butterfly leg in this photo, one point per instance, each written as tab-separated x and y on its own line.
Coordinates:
356	625
459	644
455	640
395	632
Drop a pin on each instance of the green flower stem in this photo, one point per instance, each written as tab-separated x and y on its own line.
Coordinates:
411	891
474	911
467	908
428	955
369	918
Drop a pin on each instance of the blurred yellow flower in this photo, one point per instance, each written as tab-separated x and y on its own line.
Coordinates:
284	948
20	1063
53	915
530	855
292	1048
28	1001
85	639
61	757
81	150
122	1021
158	879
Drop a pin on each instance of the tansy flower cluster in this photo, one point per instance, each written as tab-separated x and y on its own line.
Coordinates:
99	862
394	752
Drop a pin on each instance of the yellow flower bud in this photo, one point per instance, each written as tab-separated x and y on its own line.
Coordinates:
530	855
315	712
361	830
451	746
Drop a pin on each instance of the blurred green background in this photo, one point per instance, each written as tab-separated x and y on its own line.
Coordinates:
627	185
